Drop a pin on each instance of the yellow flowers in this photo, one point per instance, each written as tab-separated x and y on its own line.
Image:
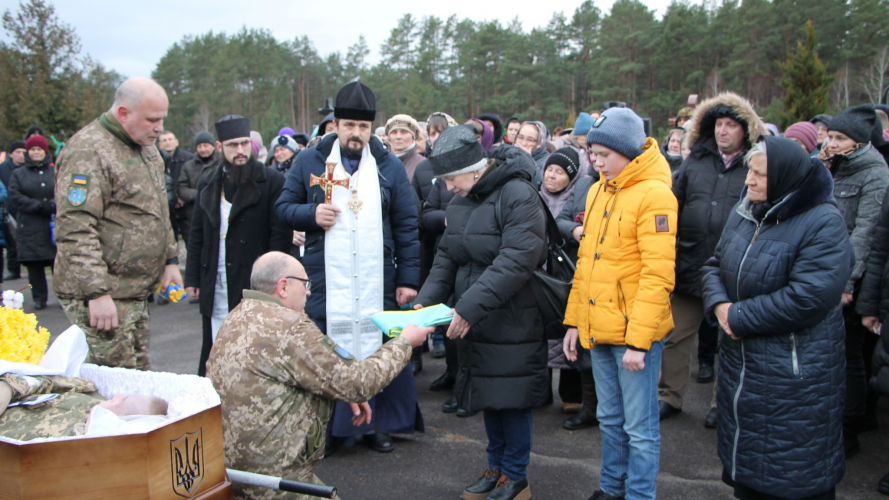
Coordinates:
21	340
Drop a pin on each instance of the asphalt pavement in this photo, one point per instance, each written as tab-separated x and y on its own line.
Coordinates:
451	454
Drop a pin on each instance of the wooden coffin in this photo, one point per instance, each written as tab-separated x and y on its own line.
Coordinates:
181	459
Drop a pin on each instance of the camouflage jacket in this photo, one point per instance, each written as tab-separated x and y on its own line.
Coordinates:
113	228
276	374
64	416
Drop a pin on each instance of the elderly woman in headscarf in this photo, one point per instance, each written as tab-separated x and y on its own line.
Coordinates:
774	287
532	138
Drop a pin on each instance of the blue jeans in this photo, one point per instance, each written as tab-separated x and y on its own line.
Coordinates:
509	441
628	421
438	335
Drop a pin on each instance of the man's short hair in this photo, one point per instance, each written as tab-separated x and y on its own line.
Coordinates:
166	132
267	271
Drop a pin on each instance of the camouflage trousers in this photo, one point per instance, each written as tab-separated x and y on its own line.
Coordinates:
127	345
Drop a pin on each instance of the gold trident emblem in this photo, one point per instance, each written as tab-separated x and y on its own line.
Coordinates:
327	182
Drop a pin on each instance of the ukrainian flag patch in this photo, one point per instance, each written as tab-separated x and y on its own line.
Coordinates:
80	179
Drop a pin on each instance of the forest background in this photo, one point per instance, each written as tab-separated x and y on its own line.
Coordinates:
466	68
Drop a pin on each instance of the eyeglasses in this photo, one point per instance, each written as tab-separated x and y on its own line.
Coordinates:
306	282
529	140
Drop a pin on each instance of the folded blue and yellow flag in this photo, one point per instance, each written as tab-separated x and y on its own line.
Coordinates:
392	322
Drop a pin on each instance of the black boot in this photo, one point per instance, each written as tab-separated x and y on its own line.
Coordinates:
586	417
601	495
445	382
883	485
507	489
705	373
417	360
379	442
450	406
480	489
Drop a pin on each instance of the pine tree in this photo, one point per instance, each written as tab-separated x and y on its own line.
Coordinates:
805	80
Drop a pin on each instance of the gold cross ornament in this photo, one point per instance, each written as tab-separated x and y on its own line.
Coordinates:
327	182
355	203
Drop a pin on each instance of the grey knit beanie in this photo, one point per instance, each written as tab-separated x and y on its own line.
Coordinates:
619	129
856	122
204	137
457	151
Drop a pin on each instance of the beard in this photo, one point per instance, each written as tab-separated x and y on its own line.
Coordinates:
354	145
238	174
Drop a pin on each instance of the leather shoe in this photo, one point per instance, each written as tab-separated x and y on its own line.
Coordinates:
667	410
417	360
710	421
465	412
601	495
446	381
39	305
379	442
12	276
705	373
507	489
480	489
883	485
450	406
581	420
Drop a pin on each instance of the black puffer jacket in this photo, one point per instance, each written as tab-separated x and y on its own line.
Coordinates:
782	385
575	205
873	299
706	190
503	357
31	192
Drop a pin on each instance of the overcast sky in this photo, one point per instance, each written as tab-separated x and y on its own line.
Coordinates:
131	40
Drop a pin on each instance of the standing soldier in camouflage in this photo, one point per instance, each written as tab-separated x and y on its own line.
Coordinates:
277	374
115	242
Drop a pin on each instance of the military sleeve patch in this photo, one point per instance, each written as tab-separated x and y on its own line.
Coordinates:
661	225
337	350
77	189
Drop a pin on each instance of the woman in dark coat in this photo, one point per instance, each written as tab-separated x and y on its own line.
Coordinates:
774	285
486	265
31	192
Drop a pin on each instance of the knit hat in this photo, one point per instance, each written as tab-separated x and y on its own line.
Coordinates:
355	101
805	133
823	118
583	123
619	129
232	127
856	122
204	137
566	158
286	131
457	151
37	141
285	141
35	129
17	145
403	122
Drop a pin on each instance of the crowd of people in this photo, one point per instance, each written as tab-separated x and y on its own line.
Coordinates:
768	250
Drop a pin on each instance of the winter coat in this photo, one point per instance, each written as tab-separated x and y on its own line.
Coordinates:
31	192
296	208
175	164
422	181
486	266
860	181
192	172
873	299
434	210
707	191
575	205
6	169
3	200
621	290
782	386
253	230
410	160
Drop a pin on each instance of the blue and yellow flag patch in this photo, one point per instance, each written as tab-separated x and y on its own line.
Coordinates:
81	180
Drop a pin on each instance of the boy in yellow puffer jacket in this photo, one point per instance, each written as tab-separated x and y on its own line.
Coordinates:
619	305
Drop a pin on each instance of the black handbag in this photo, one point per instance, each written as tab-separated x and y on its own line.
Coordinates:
551	284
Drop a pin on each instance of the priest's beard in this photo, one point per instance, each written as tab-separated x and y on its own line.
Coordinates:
238	174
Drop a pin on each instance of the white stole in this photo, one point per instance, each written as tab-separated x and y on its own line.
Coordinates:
353	259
